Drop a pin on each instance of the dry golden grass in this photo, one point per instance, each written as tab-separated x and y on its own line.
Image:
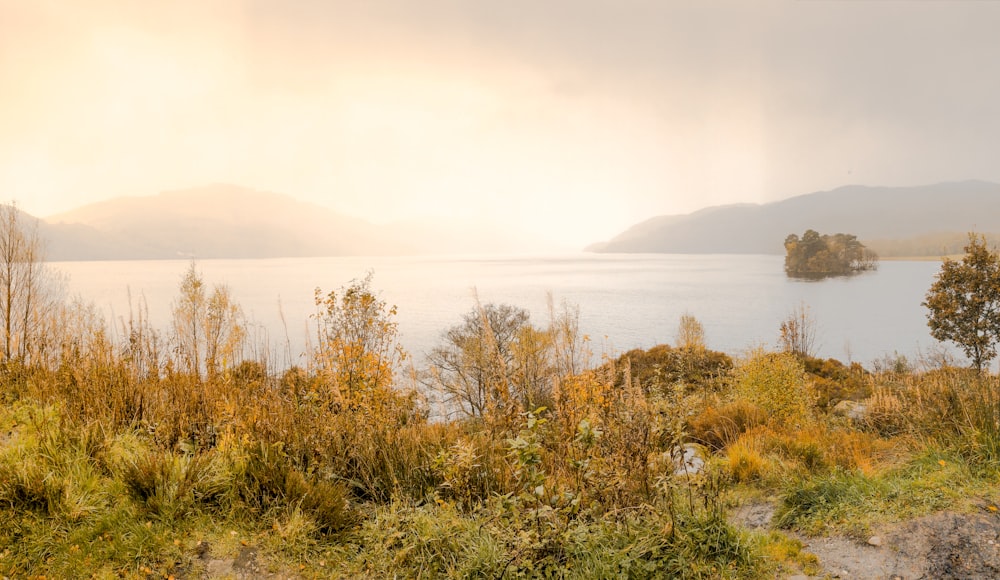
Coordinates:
123	445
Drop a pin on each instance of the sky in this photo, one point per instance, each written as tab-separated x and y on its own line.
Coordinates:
571	119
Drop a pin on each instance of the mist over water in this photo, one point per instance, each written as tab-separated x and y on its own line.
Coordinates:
625	301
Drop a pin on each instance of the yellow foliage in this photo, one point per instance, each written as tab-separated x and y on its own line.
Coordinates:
885	411
745	460
776	383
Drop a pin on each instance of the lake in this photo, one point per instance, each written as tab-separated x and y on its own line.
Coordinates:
626	301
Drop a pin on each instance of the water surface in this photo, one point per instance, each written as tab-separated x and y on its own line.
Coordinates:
626	301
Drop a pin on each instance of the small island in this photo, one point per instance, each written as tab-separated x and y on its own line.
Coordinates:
820	256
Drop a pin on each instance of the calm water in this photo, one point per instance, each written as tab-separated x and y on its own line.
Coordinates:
625	301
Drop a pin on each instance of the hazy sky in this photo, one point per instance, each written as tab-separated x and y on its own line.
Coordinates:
574	118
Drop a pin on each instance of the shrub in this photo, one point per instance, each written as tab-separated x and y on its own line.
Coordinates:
718	427
169	486
834	381
269	484
659	368
469	471
745	460
776	383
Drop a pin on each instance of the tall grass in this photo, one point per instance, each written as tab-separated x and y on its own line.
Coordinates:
121	456
956	409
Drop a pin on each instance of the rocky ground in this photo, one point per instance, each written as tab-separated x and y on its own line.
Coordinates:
945	545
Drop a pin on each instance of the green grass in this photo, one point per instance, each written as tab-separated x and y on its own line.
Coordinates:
853	503
438	540
114	463
81	501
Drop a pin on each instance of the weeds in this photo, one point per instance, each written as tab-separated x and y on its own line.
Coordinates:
120	457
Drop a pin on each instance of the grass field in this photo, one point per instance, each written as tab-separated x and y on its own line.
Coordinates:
126	460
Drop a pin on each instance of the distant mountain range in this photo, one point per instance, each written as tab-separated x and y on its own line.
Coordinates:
226	221
891	220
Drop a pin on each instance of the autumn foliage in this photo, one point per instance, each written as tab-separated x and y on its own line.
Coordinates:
511	450
963	303
816	255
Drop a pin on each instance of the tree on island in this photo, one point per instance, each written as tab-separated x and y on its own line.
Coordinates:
964	302
815	255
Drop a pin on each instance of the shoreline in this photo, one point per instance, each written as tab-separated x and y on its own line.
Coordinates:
920	258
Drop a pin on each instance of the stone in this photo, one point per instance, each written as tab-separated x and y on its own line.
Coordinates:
875	541
853	410
690	460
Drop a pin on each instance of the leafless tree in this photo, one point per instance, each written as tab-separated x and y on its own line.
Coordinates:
798	332
29	292
690	333
495	361
571	356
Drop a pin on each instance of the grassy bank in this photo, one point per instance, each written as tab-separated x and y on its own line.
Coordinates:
127	459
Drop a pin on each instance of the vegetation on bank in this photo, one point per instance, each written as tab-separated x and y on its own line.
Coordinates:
928	246
964	302
816	255
127	452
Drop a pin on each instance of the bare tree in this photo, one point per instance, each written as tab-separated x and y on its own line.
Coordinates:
495	361
798	332
571	356
690	333
28	291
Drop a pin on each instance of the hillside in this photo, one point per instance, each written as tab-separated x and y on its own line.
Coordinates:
871	213
226	221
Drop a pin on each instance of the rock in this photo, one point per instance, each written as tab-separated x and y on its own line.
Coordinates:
202	549
945	545
875	541
754	515
853	410
690	460
246	560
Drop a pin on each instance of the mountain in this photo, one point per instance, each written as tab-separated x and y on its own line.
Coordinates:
871	213
227	221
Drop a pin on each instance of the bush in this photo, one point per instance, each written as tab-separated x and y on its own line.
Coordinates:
834	381
777	384
662	366
168	486
269	484
745	459
718	427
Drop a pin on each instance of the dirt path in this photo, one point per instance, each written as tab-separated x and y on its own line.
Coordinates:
944	545
246	565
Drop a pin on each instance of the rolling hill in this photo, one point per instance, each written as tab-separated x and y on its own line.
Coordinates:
887	216
227	221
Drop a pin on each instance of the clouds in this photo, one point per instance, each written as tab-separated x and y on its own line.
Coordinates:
577	117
